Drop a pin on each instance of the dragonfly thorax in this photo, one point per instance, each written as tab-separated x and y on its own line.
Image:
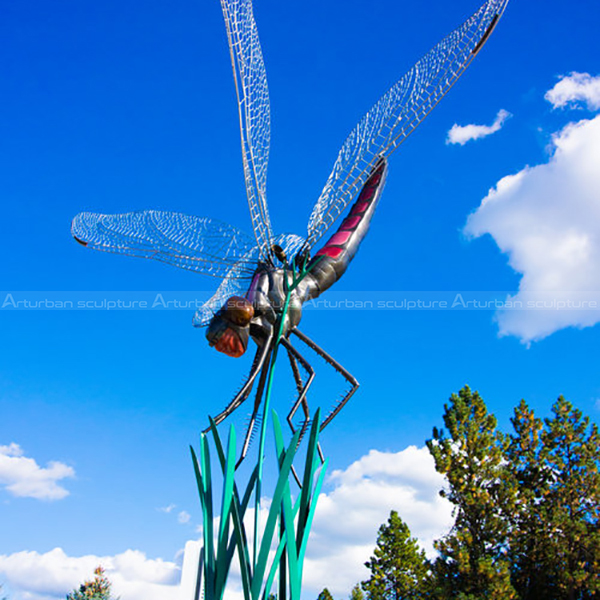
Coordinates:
268	294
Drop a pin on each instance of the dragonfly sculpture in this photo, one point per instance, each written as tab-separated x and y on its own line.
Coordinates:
265	280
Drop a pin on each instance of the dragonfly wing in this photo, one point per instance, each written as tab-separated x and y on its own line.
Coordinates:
398	112
194	243
236	282
252	92
290	244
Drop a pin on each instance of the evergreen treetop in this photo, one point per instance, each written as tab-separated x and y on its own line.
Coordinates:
98	588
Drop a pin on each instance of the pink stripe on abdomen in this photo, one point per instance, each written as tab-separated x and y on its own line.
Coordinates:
338	241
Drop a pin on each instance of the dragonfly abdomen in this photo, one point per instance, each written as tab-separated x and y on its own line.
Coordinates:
332	260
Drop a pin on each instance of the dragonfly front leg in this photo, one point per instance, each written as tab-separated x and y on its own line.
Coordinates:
257	401
242	395
345	374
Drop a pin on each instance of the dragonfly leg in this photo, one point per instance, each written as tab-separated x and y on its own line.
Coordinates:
257	401
302	388
295	358
345	374
242	395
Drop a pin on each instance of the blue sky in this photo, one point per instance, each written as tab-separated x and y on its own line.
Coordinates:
121	106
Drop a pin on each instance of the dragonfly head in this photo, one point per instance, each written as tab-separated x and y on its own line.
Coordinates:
229	329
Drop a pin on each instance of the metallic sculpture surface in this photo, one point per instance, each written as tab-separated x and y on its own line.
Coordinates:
266	280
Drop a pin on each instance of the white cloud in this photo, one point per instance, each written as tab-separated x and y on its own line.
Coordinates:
167	509
184	517
50	576
348	517
23	477
359	499
461	134
547	220
575	89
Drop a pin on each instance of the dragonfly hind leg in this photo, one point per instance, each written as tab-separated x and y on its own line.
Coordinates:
343	372
302	388
295	357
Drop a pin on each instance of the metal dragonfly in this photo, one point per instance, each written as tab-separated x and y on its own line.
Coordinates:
266	280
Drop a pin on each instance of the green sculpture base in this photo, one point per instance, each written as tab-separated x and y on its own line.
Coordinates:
279	546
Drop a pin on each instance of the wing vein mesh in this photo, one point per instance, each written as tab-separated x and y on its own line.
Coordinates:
252	92
397	113
194	243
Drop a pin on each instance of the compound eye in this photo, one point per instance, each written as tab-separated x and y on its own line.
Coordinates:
238	311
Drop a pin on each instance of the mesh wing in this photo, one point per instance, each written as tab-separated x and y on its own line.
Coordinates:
290	243
395	116
195	243
236	282
254	111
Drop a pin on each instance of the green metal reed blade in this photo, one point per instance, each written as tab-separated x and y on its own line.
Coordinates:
294	518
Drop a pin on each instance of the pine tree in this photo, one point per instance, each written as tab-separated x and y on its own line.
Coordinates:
532	575
554	542
399	569
357	593
325	595
472	561
97	589
572	502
